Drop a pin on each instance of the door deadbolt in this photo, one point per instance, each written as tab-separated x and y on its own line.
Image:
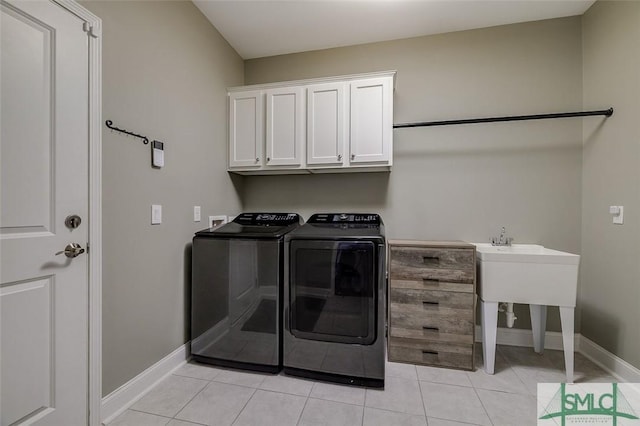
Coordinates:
73	221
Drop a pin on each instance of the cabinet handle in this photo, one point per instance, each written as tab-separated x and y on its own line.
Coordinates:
353	156
430	281
257	159
429	303
429	353
430	260
268	159
427	328
339	157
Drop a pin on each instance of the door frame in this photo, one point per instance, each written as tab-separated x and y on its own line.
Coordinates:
93	28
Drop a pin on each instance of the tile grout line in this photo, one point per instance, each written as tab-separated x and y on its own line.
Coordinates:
192	398
303	407
424	407
506	358
482	404
393	411
143	412
515	371
152	389
498	350
255	390
458	421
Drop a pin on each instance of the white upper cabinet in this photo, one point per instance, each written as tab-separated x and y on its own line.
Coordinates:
285	126
326	123
371	133
246	134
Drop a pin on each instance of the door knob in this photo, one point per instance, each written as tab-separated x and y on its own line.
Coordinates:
72	250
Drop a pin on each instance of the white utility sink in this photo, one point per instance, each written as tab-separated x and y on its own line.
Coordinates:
527	273
530	274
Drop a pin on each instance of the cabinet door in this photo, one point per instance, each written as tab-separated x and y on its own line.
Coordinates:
285	126
326	121
371	120
246	132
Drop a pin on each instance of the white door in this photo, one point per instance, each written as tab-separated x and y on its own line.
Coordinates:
246	131
43	179
371	120
326	124
285	126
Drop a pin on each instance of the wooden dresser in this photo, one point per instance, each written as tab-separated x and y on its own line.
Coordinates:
432	290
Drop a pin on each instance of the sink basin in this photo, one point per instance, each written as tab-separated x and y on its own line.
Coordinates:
530	274
526	273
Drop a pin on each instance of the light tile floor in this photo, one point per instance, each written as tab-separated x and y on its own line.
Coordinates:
413	395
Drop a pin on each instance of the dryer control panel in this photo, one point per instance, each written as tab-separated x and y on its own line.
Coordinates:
337	218
267	218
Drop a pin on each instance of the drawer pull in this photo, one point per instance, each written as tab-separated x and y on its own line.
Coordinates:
430	260
431	328
429	353
430	303
430	281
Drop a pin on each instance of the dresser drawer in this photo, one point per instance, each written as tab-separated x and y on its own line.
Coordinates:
433	257
414	273
430	284
442	328
432	264
430	301
431	353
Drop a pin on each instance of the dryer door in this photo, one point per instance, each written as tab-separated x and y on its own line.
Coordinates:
332	291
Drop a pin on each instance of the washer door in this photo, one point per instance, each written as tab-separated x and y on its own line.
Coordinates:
333	290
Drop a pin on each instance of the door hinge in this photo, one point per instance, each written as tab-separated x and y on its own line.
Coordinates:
88	28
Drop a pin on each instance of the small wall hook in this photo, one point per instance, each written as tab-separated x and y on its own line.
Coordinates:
110	125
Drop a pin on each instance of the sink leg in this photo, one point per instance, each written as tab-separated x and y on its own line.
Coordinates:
489	323
566	318
538	326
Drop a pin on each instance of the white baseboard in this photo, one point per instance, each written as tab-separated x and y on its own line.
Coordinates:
126	395
521	337
612	364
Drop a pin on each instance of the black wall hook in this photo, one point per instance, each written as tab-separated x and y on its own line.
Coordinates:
110	125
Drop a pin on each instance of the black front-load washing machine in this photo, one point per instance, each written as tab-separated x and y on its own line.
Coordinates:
334	317
237	291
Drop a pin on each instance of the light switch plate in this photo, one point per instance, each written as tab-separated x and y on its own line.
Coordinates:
156	214
196	214
618	214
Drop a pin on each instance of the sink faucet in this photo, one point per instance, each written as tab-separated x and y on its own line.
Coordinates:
503	240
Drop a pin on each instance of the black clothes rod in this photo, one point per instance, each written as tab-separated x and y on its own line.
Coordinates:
605	112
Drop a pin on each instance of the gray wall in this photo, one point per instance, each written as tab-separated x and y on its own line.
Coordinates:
457	182
166	70
610	253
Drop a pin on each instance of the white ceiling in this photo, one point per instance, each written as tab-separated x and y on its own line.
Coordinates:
265	28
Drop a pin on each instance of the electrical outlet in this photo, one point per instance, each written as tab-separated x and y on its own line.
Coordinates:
217	221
